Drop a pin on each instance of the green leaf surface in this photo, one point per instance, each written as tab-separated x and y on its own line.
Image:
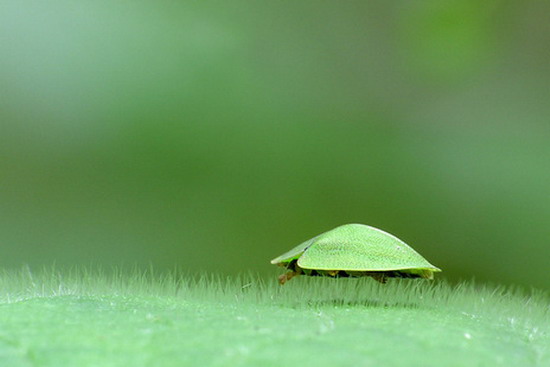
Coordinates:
93	318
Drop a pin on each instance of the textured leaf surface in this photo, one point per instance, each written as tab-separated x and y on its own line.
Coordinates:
92	320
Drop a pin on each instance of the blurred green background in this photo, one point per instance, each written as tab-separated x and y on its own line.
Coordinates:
213	136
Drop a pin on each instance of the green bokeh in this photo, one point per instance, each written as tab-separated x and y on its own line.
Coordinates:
214	136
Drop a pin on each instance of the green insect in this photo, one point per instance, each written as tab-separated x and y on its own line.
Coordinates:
354	250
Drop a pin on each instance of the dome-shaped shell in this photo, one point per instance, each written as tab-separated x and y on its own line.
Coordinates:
356	247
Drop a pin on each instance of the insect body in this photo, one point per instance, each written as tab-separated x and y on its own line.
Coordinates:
354	250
